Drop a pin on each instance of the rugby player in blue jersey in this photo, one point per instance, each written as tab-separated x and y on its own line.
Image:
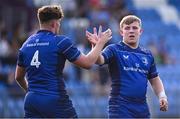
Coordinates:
131	67
40	66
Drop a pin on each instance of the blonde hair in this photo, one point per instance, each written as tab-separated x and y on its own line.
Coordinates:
129	19
49	12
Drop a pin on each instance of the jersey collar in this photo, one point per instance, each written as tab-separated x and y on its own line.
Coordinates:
127	47
45	31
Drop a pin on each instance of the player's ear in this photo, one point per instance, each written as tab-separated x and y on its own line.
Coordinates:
121	32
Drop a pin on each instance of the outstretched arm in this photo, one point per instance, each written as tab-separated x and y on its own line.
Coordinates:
19	77
86	61
92	38
158	88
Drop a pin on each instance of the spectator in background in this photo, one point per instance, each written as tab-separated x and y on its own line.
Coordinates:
19	34
5	48
117	9
163	51
2	24
160	52
82	8
152	46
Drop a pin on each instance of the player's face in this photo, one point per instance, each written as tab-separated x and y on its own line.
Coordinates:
131	33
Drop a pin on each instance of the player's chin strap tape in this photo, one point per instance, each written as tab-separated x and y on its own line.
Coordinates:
162	95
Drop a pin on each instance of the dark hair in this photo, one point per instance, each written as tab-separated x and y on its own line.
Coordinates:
50	12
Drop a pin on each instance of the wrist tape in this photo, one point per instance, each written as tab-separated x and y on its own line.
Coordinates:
162	95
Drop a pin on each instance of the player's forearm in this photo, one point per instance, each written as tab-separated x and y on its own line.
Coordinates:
93	55
158	87
100	59
22	83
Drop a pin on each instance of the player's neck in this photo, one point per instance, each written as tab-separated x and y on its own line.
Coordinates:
47	28
133	46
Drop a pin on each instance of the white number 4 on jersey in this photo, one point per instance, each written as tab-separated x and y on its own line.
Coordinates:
35	61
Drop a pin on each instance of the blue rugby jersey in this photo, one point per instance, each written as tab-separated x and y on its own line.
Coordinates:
43	55
129	69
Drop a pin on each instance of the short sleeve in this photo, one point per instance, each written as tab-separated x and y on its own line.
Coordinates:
153	70
67	48
20	58
108	54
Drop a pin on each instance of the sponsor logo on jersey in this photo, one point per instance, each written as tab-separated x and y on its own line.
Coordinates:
126	56
135	69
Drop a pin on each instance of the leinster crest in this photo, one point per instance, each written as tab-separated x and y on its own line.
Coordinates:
144	60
